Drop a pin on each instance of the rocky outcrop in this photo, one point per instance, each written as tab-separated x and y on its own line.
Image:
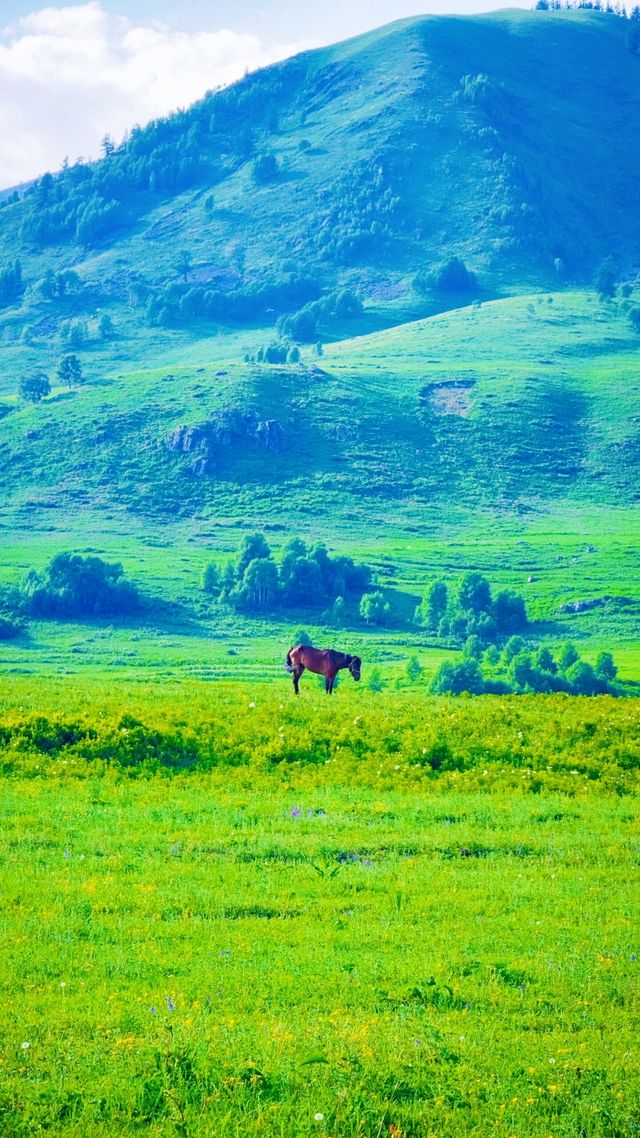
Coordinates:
594	603
205	442
270	434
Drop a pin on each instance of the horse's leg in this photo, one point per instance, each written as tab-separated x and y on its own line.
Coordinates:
297	672
330	681
327	685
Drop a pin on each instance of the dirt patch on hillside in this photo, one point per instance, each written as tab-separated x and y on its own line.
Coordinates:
454	400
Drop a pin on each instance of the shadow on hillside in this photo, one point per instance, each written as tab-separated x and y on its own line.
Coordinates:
61	397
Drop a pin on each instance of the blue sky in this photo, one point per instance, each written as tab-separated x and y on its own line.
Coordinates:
70	72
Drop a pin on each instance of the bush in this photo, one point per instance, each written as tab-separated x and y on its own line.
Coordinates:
301	636
458	678
264	169
10	627
453	276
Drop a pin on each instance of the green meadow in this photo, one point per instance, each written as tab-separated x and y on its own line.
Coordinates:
226	911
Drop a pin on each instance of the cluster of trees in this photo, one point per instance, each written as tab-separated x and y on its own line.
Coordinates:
520	669
73	585
471	610
365	217
607	286
303	324
452	276
278	352
616	9
77	333
36	386
11	286
179	302
306	576
55	286
87	201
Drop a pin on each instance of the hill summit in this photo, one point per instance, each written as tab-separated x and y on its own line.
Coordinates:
504	144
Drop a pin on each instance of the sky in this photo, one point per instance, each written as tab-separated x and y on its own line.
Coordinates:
72	72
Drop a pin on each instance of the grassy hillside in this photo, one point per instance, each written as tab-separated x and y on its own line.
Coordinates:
484	438
474	137
438	431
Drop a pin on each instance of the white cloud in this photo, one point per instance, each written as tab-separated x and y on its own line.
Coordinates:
69	75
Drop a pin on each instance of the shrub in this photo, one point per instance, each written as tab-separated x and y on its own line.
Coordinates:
453	276
9	627
264	169
301	636
457	678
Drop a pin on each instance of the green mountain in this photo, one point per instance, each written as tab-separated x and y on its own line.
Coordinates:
506	140
429	202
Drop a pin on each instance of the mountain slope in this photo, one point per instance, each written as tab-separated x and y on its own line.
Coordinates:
506	405
508	140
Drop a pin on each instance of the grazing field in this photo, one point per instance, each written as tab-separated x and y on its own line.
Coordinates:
229	912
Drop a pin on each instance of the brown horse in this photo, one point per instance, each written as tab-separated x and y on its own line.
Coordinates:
324	661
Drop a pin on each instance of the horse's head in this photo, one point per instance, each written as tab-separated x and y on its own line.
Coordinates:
355	664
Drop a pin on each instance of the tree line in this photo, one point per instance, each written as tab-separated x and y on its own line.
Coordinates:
520	669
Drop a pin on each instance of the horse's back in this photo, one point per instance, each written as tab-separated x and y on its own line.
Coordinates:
314	659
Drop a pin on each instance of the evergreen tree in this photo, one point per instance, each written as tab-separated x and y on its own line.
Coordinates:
184	263
414	670
606	279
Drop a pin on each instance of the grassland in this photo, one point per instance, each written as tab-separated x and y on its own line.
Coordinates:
532	479
277	946
230	912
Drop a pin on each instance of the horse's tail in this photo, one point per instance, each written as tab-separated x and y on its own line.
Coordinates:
288	664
